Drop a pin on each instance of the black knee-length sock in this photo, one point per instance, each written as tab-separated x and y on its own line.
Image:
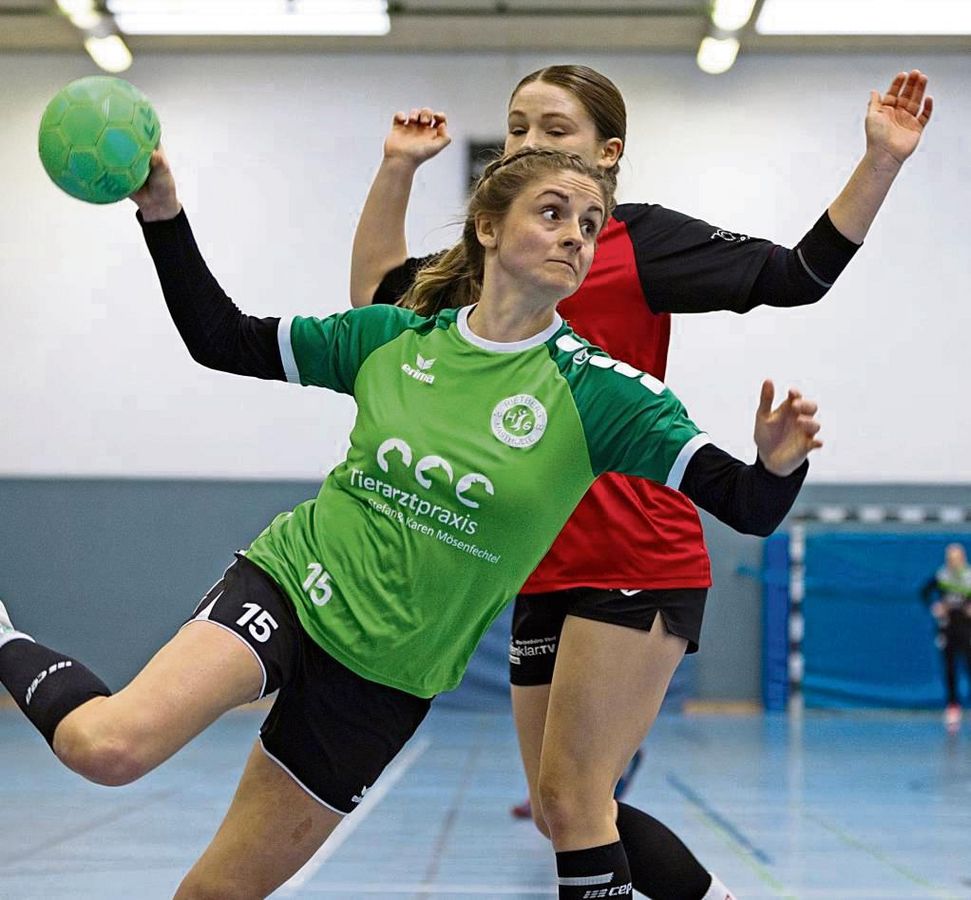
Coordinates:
46	684
599	872
661	866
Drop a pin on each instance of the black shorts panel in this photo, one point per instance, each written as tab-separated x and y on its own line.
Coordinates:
250	604
334	731
538	620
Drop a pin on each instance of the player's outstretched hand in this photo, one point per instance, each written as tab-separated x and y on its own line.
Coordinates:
895	120
417	136
157	198
786	435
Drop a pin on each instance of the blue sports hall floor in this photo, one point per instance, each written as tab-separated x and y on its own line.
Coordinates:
837	806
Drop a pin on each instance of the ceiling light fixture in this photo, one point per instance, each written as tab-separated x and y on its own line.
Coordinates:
109	52
290	17
104	45
731	15
717	55
933	17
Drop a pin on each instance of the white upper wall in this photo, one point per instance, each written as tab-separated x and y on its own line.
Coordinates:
274	154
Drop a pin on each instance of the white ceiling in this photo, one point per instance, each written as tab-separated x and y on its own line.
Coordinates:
477	25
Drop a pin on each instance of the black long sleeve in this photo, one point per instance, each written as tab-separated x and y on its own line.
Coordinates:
804	274
748	498
215	332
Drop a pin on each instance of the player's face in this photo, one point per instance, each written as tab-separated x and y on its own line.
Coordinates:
546	240
956	558
545	115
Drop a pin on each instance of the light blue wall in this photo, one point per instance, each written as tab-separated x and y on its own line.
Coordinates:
108	569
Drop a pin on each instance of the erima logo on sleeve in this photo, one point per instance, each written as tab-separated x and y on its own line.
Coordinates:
420	370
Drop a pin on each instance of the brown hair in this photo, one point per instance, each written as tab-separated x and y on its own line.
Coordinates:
455	278
598	95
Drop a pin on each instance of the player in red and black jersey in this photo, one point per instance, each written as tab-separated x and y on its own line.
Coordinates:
632	550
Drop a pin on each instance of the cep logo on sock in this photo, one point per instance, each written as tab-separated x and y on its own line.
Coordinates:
619	891
49	671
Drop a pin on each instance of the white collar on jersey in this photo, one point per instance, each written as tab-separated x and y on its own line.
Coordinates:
462	321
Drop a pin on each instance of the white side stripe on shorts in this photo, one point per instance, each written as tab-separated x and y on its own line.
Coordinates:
584	880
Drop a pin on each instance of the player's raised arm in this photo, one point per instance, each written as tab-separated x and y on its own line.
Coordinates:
379	242
895	122
215	332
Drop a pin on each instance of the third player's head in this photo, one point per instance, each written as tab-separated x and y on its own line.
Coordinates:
569	108
955	556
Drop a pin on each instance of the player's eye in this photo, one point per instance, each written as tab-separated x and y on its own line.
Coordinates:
550	213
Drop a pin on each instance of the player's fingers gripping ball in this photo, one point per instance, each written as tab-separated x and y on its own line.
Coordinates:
96	138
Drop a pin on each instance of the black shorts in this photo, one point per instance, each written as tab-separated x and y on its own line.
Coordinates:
538	620
333	731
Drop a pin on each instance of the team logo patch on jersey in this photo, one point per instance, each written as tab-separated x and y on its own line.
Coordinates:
519	421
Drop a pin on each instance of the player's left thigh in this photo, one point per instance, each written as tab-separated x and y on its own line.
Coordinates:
607	689
272	828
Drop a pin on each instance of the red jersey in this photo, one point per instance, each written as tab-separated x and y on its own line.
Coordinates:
650	262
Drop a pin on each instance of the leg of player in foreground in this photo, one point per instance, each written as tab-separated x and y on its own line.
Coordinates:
607	688
272	827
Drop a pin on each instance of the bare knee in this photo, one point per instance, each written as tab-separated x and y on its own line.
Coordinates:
570	802
106	758
539	820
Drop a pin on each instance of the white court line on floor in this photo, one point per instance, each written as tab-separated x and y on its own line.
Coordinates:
342	832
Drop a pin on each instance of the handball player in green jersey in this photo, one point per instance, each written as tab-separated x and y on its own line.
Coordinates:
633	551
478	430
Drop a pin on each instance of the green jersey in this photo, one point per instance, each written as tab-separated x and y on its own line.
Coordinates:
466	459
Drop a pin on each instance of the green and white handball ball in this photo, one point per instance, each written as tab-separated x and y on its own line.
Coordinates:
96	138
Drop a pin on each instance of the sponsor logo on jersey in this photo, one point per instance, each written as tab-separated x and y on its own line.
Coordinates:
581	357
408	501
519	421
420	370
730	236
630	593
357	798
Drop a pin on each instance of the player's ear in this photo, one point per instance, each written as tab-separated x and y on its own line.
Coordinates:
486	230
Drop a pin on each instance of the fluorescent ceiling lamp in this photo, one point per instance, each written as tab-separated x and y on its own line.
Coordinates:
337	17
717	55
865	17
110	53
731	15
82	13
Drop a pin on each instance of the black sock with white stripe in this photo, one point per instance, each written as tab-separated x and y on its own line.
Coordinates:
45	684
599	872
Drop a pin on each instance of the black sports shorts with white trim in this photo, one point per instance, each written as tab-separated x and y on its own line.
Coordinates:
538	620
333	731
